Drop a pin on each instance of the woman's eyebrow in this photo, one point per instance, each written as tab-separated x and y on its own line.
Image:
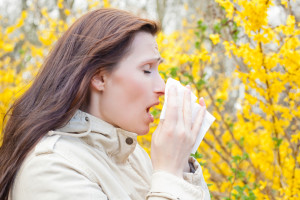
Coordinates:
158	60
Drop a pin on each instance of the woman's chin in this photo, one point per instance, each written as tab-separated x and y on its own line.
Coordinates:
143	131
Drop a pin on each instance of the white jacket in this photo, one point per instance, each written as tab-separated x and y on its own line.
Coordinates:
89	159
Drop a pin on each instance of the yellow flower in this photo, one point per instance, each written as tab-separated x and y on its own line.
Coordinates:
262	185
215	38
106	3
10	29
285	3
295	138
8	47
67	12
60	4
228	6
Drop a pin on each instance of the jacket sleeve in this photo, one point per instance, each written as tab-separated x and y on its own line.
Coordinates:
50	177
165	186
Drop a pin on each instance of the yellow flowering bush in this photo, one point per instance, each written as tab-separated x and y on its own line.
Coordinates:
246	69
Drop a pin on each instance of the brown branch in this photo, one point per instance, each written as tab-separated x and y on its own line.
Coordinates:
219	141
220	154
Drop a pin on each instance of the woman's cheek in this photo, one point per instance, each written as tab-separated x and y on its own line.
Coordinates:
134	88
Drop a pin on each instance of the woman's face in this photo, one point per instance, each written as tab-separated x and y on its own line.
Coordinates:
132	88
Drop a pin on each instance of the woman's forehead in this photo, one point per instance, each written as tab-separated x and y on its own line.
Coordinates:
144	46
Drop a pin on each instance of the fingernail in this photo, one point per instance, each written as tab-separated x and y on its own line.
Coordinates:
201	98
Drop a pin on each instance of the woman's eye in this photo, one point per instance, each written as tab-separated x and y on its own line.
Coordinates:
147	69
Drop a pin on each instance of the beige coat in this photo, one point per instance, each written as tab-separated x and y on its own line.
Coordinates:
89	159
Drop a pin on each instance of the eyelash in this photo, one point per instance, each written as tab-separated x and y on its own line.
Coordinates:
147	71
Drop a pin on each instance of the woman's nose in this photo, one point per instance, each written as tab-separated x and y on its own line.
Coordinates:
159	86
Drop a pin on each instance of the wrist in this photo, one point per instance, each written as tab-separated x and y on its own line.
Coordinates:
178	173
186	167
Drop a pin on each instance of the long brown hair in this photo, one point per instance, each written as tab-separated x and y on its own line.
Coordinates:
96	41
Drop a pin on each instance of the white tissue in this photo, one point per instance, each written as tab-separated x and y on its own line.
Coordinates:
208	118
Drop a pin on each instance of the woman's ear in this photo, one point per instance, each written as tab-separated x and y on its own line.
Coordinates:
98	81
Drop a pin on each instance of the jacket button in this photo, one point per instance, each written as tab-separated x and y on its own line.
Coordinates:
86	119
129	141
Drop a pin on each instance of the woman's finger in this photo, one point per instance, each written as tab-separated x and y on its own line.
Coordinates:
201	101
172	107
187	109
198	122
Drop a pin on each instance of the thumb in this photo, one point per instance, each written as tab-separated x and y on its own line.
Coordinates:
201	102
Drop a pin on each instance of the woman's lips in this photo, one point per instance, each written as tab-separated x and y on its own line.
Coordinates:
148	112
150	117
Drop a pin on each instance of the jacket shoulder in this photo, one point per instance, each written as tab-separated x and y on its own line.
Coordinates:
46	145
47	175
66	150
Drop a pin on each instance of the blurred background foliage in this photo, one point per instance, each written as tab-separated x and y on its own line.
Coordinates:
242	56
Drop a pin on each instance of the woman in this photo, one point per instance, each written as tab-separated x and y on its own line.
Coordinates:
72	135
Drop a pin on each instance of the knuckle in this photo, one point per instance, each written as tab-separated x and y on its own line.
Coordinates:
169	131
173	105
181	132
192	139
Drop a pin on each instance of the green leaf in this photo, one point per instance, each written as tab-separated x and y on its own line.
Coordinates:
21	51
197	45
235	32
240	174
245	156
155	112
277	141
236	196
233	170
229	144
251	195
200	83
220	101
202	27
199	23
235	36
197	155
163	73
217	28
239	189
173	72
224	21
189	76
231	126
236	159
241	141
28	59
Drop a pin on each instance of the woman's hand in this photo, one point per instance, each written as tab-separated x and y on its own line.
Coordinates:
174	137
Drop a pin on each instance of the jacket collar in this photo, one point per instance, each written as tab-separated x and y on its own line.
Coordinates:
116	142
